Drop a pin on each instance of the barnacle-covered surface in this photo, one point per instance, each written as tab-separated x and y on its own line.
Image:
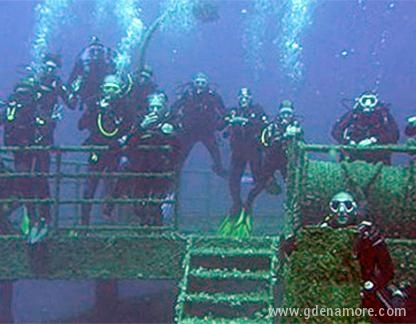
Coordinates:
322	271
94	254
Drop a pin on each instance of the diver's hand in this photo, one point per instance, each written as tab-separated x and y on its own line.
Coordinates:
238	120
412	120
148	120
411	141
292	131
167	128
57	112
367	141
122	141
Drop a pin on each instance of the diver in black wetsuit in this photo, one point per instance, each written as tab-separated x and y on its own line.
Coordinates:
245	126
155	128
107	122
50	90
92	65
200	111
276	137
369	122
143	86
20	129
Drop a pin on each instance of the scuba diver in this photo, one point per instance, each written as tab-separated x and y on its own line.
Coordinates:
143	86
200	111
411	127
107	122
368	123
371	251
155	128
7	191
21	129
92	65
275	137
47	112
245	126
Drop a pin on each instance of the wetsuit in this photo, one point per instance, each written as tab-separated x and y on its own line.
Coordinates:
92	65
246	148
276	140
107	123
201	116
154	160
354	127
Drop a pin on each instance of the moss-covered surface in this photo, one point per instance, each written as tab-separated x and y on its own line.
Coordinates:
403	253
85	255
322	271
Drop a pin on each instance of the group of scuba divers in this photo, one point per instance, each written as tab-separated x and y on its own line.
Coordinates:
128	112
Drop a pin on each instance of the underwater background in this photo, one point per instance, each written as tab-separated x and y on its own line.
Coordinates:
315	53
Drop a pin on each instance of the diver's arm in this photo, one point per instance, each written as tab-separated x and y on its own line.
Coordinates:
384	266
340	129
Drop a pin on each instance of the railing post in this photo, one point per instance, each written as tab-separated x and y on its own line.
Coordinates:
208	194
178	178
58	175
77	191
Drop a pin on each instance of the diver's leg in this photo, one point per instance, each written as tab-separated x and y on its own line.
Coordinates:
91	183
265	176
238	164
255	161
187	142
43	165
210	142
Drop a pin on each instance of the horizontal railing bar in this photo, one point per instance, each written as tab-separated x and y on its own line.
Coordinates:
88	201
106	227
90	148
89	174
327	148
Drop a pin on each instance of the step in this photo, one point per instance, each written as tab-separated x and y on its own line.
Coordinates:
233	243
205	273
226	252
218	320
232	299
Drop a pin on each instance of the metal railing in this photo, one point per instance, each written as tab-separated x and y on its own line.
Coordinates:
59	174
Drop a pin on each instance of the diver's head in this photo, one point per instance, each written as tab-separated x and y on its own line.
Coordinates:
112	85
96	49
366	102
24	91
51	62
244	97
145	74
94	40
343	209
200	82
158	104
286	111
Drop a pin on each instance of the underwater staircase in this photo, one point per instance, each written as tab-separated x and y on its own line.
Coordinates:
228	281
